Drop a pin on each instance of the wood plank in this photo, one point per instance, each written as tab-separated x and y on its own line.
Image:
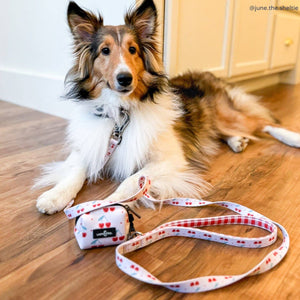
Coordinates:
40	259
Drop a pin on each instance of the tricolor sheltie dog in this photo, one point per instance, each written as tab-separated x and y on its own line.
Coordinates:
174	126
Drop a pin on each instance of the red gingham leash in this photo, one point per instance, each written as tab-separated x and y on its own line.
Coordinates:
188	228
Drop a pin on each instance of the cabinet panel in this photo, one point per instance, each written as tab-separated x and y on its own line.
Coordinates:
198	35
286	40
252	31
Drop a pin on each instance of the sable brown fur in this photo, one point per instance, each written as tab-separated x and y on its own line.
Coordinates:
210	114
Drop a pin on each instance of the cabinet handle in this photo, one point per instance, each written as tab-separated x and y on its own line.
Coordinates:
288	42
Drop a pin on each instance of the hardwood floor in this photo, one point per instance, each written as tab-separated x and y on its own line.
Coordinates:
40	259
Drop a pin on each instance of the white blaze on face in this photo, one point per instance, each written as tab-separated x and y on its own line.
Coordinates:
122	67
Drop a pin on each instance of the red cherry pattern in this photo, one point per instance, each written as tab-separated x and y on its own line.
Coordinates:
134	267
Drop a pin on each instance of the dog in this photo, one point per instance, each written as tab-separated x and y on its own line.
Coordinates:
173	127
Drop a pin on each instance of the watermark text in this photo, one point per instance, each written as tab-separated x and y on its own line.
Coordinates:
271	7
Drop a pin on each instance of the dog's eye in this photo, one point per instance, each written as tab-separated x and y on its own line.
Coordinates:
132	50
105	51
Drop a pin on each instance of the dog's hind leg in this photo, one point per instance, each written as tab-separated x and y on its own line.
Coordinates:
241	115
285	136
257	118
237	143
69	178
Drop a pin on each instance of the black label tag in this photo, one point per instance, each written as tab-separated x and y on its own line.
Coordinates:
104	233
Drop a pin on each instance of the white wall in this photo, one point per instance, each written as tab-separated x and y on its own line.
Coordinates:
36	52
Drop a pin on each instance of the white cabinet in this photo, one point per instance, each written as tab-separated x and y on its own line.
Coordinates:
198	35
234	39
251	40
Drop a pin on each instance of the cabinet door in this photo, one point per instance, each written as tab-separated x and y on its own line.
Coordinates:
197	35
286	40
252	33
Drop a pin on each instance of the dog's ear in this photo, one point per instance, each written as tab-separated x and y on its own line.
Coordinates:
83	24
143	19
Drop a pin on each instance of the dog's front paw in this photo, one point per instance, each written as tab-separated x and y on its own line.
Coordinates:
51	202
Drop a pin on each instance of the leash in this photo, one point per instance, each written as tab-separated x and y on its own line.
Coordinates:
190	228
117	133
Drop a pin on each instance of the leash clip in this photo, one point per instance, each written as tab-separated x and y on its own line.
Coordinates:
132	232
118	130
135	234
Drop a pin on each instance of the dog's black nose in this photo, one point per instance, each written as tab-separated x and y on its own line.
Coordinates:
124	79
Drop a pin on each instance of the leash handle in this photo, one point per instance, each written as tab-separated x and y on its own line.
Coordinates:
186	228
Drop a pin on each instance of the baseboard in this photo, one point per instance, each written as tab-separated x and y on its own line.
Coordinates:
253	84
290	77
38	91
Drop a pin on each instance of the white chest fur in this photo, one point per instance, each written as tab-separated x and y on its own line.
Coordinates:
89	134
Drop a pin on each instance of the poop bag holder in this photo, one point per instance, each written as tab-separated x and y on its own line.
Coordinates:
107	226
105	223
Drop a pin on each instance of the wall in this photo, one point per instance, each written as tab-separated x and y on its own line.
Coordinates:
36	52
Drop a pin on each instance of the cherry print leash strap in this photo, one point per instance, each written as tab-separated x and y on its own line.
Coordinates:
190	228
116	136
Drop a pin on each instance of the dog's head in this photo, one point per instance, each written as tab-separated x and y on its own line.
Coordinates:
123	58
